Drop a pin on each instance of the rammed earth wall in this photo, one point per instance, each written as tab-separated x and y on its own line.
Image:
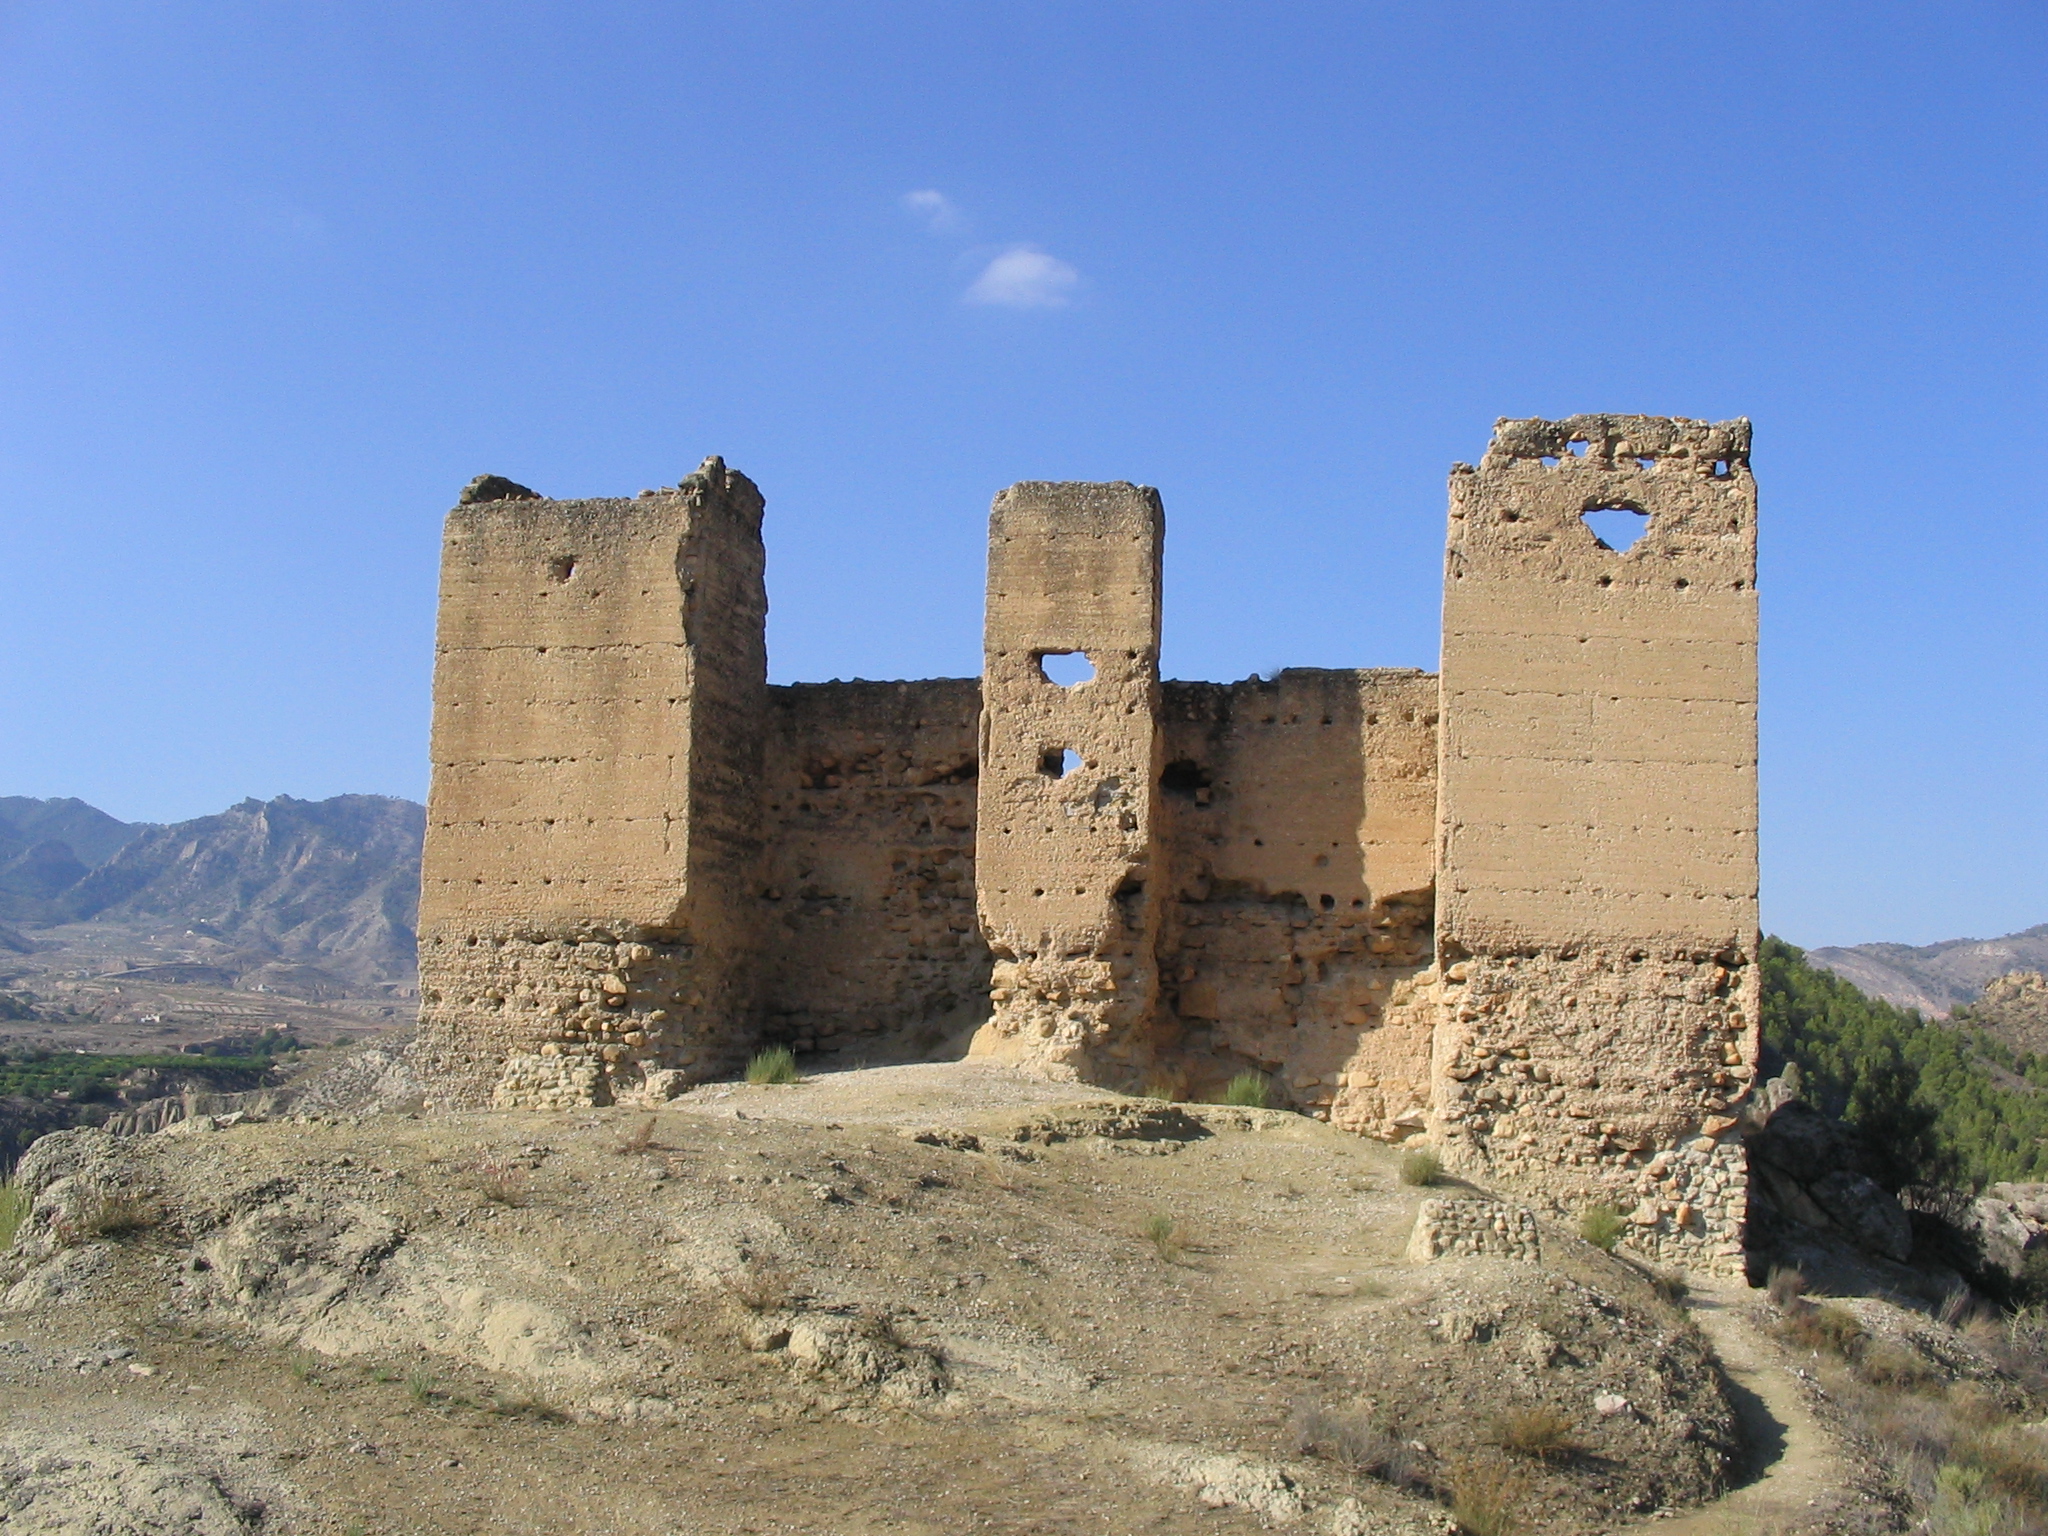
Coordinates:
1511	909
1597	909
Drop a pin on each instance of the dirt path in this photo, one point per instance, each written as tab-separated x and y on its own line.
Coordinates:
1796	1480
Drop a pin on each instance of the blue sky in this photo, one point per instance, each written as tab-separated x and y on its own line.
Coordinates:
277	278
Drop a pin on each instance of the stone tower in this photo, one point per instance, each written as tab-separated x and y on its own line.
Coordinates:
1597	868
587	894
1067	838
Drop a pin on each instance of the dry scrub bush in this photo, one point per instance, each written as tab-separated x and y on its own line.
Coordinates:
1247	1090
1421	1169
1826	1330
637	1138
777	1064
1964	1507
1602	1226
1787	1287
760	1285
1487	1497
498	1181
1165	1236
1356	1443
1542	1432
113	1214
1969	1466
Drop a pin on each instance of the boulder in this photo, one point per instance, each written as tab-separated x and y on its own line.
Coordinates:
1814	1172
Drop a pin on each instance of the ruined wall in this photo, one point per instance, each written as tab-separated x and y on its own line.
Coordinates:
592	836
1298	818
870	939
1597	900
1068	777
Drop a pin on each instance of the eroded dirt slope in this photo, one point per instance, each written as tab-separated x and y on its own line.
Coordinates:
927	1299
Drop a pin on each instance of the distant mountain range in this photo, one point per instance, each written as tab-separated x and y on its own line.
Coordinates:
1935	978
331	883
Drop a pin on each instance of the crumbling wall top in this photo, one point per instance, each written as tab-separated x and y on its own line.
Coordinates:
1603	441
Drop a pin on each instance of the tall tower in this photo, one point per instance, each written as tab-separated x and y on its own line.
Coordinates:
1597	906
599	706
1066	850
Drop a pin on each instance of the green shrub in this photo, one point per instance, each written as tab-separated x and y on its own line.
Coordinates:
1421	1168
1247	1090
13	1211
1602	1226
1963	1506
777	1064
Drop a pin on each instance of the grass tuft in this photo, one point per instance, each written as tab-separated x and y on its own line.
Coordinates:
1165	1236
420	1385
638	1138
1354	1442
103	1214
760	1285
1422	1169
1165	1092
1825	1330
13	1211
1602	1226
1248	1090
777	1064
500	1182
1544	1433
1487	1497
1787	1287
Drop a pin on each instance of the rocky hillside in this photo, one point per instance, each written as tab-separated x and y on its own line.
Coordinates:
2014	1009
89	832
1934	978
48	846
333	883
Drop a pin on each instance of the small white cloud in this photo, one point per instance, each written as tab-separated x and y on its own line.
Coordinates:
1024	277
937	211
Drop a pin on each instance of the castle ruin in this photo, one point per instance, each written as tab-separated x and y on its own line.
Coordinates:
1511	908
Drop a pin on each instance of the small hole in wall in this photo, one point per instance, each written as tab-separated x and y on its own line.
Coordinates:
1720	469
1643	463
1069	669
1328	902
1606	581
1681	584
1617	528
1549	461
1058	762
1578	447
1184	776
562	567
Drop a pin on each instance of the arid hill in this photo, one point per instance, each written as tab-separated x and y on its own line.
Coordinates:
1934	977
